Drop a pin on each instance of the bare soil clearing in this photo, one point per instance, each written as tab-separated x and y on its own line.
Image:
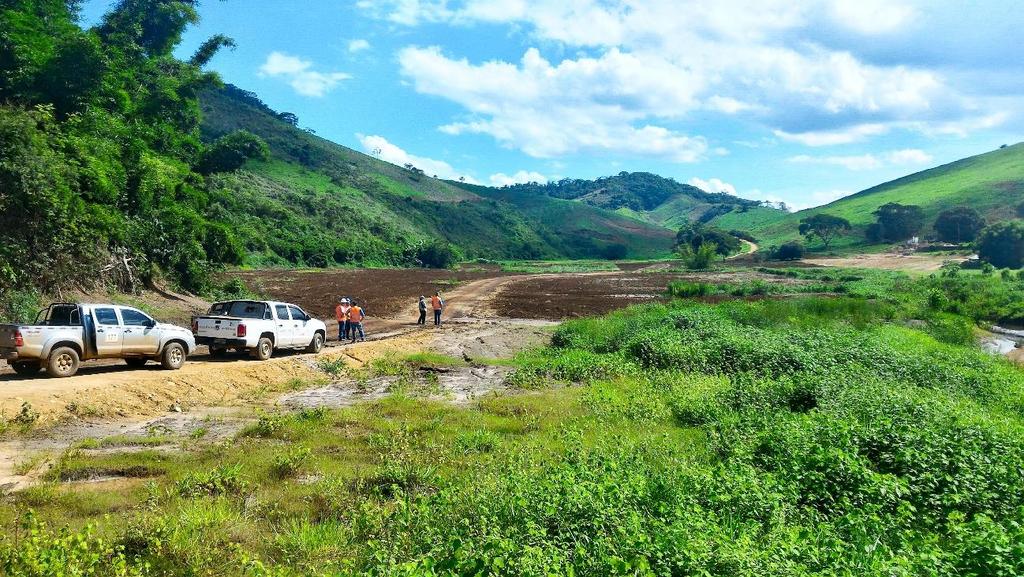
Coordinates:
920	263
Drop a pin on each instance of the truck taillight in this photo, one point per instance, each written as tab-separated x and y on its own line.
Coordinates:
240	333
195	326
19	341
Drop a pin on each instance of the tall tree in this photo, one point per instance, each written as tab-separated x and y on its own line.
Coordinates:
898	222
960	224
824	226
1002	244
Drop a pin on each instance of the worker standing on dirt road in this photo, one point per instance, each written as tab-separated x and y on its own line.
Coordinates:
438	304
423	311
346	305
341	313
355	321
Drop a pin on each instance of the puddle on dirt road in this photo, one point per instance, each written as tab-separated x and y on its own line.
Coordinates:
1002	341
459	386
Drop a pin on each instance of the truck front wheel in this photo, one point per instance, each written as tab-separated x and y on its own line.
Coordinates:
173	356
264	349
26	368
63	362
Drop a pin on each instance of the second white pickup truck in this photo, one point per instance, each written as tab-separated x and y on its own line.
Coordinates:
260	327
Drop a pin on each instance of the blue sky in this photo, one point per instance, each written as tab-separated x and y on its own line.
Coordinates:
777	100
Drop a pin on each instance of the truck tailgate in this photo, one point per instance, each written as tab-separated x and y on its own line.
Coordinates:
7	336
218	327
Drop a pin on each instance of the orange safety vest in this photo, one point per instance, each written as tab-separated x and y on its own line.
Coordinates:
355	315
340	313
435	301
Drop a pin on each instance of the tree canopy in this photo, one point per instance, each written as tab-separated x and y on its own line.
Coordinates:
695	234
1002	244
824	226
101	163
896	222
960	224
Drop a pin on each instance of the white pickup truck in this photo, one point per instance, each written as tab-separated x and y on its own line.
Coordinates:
65	334
260	327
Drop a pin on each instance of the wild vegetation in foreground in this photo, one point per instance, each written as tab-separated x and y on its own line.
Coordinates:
813	435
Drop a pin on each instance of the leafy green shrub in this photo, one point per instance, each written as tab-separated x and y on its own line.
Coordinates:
685	289
224	480
287	464
40	552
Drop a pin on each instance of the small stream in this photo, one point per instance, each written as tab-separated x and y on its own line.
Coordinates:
1002	341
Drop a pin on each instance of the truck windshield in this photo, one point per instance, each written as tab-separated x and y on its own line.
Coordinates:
61	316
240	309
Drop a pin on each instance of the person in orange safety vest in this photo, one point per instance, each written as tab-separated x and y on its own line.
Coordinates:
438	305
355	321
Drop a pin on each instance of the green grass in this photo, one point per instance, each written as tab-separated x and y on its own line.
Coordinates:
800	436
539	267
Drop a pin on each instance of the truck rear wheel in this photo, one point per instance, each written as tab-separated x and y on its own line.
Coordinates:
316	344
218	352
173	356
264	349
63	362
26	368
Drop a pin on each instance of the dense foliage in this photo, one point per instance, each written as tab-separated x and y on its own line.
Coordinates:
100	150
696	234
1002	244
896	222
639	191
958	225
823	226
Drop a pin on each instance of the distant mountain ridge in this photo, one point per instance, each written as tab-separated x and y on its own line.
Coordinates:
992	183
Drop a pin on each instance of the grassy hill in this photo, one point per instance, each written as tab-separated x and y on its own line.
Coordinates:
319	203
992	183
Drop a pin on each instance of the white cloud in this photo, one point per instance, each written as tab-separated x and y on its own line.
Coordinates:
358	45
872	17
383	149
299	74
861	162
712	185
657	63
520	177
547	110
906	157
833	137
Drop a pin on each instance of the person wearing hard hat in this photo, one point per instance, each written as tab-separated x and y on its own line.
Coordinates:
341	313
437	303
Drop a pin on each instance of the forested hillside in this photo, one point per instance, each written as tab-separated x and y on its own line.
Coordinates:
643	195
309	181
103	175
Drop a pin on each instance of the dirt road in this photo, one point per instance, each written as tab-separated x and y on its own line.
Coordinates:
113	390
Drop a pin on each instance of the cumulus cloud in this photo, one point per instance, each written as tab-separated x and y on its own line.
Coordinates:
546	110
906	157
358	45
300	75
520	177
383	149
712	185
645	69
